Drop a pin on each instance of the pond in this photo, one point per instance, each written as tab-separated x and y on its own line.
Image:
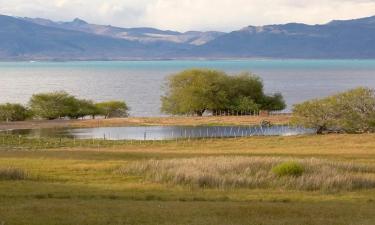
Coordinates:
164	132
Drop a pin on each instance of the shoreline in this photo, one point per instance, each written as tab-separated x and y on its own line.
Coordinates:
147	121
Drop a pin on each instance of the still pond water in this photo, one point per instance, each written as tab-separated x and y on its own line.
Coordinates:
163	132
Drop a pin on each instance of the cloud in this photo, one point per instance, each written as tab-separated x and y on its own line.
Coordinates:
191	14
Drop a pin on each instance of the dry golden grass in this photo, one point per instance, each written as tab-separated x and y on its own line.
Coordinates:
11	173
184	121
147	121
254	172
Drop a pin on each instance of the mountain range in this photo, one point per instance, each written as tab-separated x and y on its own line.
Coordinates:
43	39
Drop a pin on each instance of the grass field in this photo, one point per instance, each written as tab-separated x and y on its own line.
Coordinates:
117	183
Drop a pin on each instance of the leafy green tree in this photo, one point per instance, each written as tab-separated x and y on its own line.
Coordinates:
198	90
53	105
272	102
245	105
13	112
316	114
84	108
195	91
244	85
356	110
352	111
112	109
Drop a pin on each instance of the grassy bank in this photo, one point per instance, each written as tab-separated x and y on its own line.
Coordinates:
88	184
147	121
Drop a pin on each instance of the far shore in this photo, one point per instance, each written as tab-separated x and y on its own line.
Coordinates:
148	121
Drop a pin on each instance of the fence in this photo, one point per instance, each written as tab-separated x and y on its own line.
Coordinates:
148	137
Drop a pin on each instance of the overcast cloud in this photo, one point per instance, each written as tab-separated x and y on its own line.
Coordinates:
186	15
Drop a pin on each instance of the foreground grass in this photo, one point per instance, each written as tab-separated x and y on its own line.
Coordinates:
81	184
255	172
12	174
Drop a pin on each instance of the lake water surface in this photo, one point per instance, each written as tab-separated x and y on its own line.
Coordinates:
139	83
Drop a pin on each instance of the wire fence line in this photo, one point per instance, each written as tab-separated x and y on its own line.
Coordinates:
223	113
184	136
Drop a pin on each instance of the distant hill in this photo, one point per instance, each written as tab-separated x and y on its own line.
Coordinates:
24	40
143	34
43	39
337	39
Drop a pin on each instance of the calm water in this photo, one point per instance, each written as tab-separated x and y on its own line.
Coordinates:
139	82
164	133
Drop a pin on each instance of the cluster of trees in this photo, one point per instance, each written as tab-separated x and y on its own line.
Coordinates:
61	105
197	91
13	112
350	112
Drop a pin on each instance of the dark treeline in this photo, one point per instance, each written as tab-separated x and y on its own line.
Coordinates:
198	91
57	105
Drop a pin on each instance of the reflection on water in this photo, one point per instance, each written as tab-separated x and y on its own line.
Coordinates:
165	132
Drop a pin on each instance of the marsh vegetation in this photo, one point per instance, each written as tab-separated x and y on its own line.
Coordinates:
256	172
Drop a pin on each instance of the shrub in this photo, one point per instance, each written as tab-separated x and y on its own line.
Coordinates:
13	112
288	169
12	174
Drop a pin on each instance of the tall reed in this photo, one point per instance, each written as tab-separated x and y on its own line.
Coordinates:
254	172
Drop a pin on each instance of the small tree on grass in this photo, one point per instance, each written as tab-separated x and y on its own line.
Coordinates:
13	112
112	109
352	111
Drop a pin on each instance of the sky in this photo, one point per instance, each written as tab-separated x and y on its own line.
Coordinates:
184	15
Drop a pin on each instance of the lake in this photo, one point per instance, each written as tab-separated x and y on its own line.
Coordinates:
139	83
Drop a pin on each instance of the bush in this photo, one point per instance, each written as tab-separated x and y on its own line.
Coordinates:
13	112
197	91
288	169
352	112
112	109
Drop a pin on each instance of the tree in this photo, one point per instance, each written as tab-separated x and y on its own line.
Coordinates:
112	109
356	110
13	112
53	105
352	112
272	102
194	92
316	114
198	90
245	105
84	108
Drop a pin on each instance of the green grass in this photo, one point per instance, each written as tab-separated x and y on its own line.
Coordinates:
82	184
